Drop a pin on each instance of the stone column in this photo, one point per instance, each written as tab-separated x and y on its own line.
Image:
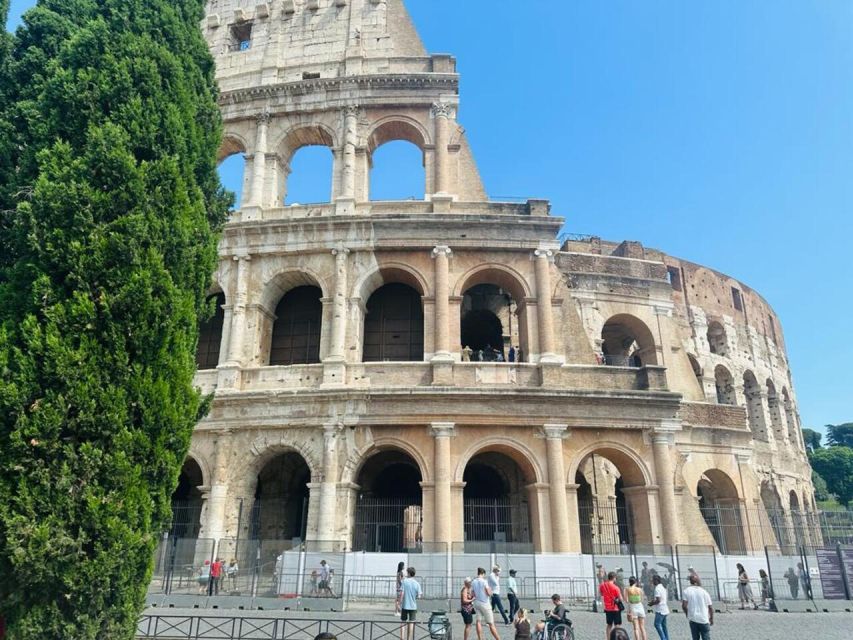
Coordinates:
259	161
441	255
333	370
554	434
441	114
236	348
663	446
217	496
574	514
326	516
542	258
442	432
345	203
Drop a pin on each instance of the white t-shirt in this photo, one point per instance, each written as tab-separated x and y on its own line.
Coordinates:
479	588
662	607
495	583
698	602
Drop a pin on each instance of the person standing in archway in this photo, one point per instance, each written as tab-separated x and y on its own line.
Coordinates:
611	596
495	586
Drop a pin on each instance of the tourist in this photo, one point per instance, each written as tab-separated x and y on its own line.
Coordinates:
410	591
611	596
793	582
483	604
315	578
400	577
646	580
215	576
744	589
511	354
231	573
478	356
204	578
495	587
466	353
697	606
522	625
325	588
805	581
512	593
636	609
466	608
278	572
558	614
660	606
765	587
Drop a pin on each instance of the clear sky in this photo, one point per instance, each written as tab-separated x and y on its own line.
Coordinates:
720	132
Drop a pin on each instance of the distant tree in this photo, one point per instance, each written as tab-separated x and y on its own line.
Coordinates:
812	439
107	246
821	491
835	466
839	435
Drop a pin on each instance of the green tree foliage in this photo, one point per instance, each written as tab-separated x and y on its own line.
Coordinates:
835	466
821	491
812	439
840	435
107	254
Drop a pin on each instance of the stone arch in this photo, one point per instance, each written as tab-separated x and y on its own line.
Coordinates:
388	273
211	330
720	506
772	502
202	463
717	340
232	143
397	127
517	451
626	459
286	279
357	459
231	165
628	341
187	501
725	384
264	448
498	274
295	138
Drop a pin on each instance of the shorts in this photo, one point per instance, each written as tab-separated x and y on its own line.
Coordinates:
484	610
637	610
467	616
613	617
408	615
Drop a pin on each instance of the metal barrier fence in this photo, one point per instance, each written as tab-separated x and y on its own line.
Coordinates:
215	627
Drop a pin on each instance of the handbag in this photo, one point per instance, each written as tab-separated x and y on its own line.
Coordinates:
619	604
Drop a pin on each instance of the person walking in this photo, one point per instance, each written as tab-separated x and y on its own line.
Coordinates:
793	582
766	593
495	587
660	606
512	593
636	609
215	576
204	578
611	597
744	589
697	606
483	604
511	354
466	608
401	575
410	590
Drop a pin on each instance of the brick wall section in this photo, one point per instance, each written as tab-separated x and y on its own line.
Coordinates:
702	414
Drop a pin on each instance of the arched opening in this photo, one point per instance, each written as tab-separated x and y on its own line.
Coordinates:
725	384
720	507
697	369
627	342
187	501
397	161
754	406
797	518
394	325
717	341
297	326
790	418
388	511
397	172
774	410
495	502
280	510
613	513
232	169
775	514
210	334
309	179
489	323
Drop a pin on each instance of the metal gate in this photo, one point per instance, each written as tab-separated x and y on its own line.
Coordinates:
387	525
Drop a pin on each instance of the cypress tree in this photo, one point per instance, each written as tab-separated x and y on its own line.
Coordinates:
109	235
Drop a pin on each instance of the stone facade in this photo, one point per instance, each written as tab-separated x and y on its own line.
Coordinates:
644	378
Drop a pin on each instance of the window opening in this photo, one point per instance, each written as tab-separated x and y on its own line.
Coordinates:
737	299
673	275
241	37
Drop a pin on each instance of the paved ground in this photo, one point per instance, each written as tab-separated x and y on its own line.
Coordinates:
736	625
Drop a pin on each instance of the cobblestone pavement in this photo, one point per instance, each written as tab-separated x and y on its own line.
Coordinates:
735	625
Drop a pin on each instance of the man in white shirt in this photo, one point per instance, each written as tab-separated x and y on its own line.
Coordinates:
660	606
697	606
512	594
483	604
495	586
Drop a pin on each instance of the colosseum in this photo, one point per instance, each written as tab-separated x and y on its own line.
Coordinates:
458	373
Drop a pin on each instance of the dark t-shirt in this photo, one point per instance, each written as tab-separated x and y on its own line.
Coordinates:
609	593
558	612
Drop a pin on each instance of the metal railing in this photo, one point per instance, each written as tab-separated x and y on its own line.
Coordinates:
631	361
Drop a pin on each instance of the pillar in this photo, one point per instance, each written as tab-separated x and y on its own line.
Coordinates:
214	527
346	199
259	161
554	434
442	432
441	255
333	369
441	113
663	446
326	516
542	258
238	312
575	523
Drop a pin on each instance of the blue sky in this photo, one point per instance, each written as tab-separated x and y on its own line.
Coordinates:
720	132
